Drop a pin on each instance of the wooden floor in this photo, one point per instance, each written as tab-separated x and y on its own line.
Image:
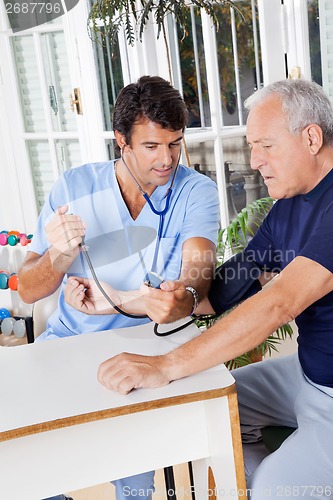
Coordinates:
107	492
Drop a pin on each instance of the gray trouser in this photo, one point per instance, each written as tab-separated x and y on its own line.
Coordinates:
276	392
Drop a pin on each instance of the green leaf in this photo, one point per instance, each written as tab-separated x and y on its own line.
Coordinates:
105	11
144	16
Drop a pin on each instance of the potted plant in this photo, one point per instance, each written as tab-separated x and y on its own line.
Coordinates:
233	239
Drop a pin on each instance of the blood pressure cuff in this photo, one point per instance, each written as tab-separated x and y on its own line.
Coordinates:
233	282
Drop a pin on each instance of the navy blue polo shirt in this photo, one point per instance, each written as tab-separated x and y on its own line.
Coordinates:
303	225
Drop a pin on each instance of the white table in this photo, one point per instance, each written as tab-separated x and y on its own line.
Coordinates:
60	430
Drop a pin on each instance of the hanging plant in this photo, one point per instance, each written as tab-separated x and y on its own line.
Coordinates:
108	16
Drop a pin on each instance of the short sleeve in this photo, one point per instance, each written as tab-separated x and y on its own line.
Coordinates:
202	212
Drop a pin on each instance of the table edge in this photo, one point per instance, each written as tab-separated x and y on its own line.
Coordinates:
116	412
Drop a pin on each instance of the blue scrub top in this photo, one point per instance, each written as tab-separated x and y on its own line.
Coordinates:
120	248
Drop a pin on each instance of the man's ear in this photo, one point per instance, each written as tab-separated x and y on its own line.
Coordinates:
120	138
314	138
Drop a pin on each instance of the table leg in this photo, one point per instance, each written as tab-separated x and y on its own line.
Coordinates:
226	455
170	483
190	472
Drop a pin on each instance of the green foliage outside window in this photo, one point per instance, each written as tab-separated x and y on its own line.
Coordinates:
116	14
225	55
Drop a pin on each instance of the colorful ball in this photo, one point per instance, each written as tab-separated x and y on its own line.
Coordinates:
4	313
7	326
19	328
3	239
4	277
23	240
12	240
13	282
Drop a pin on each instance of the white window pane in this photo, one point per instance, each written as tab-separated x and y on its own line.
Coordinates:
29	84
112	148
110	76
68	154
58	80
237	81
244	74
193	72
42	170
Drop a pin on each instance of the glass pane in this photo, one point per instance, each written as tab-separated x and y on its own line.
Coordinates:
192	57
112	148
194	83
314	41
246	58
68	154
44	175
203	158
110	75
58	81
41	166
29	84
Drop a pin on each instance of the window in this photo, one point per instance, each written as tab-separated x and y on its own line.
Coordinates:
110	75
314	41
238	59
43	78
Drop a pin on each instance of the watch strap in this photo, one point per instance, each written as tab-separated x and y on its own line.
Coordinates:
195	298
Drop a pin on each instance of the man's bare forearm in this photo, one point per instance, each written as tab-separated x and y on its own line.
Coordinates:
254	320
240	331
41	275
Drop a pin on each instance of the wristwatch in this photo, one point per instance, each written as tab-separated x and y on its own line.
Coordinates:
195	298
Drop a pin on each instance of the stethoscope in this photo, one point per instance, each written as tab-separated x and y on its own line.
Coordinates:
161	214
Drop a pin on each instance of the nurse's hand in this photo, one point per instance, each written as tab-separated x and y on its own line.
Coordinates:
169	303
65	231
84	295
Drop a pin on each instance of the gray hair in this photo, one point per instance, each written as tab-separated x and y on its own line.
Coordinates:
302	101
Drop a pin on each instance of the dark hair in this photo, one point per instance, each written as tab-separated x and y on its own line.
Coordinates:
151	98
